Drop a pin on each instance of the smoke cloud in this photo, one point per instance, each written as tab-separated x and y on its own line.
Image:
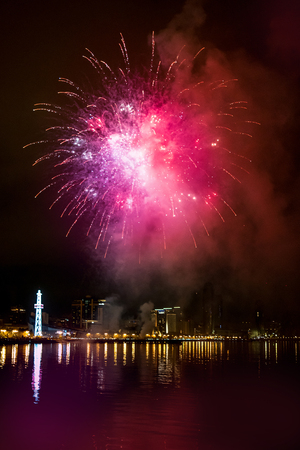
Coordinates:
145	318
251	257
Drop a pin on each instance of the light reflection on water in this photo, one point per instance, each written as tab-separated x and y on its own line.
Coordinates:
26	351
152	395
59	352
162	357
2	356
14	353
37	371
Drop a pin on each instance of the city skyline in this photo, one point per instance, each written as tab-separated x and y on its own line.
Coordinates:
209	317
251	258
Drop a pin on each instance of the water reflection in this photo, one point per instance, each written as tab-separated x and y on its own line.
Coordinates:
266	352
105	353
150	395
14	354
115	353
37	371
88	354
26	352
59	353
2	356
104	365
124	350
68	353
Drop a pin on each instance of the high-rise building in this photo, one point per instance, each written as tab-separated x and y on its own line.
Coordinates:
82	310
17	315
171	323
208	299
88	311
159	320
167	320
218	319
188	327
102	316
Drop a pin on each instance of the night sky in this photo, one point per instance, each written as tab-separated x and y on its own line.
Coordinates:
251	259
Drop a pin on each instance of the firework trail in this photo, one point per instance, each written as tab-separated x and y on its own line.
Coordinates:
139	147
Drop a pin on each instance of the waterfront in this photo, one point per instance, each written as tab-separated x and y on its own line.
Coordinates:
190	395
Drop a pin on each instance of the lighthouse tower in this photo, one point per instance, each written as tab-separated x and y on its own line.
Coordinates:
38	314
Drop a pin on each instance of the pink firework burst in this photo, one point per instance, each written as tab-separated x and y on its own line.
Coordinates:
140	146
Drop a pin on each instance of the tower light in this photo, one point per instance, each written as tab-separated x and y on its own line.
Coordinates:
38	315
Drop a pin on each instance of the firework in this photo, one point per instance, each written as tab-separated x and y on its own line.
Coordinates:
139	148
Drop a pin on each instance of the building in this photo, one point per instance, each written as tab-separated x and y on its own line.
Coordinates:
82	311
171	323
16	324
167	321
88	311
208	306
188	328
17	316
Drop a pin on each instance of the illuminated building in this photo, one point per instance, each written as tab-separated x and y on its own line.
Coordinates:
17	323
104	314
82	310
167	320
38	314
100	313
88	311
171	323
158	317
17	315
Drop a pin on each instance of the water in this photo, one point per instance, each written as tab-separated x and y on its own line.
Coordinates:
150	396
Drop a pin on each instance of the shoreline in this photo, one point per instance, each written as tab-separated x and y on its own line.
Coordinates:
45	340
